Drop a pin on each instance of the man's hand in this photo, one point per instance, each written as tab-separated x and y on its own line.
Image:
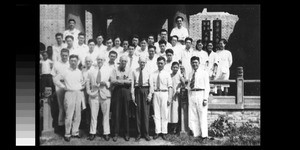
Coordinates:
93	94
204	102
149	98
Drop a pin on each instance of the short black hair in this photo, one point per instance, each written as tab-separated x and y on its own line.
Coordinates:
175	37
100	34
91	40
143	39
42	46
162	42
117	37
135	36
178	18
161	58
169	51
130	44
224	41
197	42
151	35
64	50
81	33
163	30
71	20
59	34
195	58
188	38
151	46
73	56
69	36
109	38
113	52
175	63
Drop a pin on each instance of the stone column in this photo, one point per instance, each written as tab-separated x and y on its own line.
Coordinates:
240	86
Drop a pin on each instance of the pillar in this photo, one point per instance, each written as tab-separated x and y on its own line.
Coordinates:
240	86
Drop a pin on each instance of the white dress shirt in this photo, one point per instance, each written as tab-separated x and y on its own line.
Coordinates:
186	56
212	59
74	33
59	67
100	48
224	59
56	51
156	44
203	57
165	80
134	64
151	64
182	33
46	66
141	52
201	81
73	79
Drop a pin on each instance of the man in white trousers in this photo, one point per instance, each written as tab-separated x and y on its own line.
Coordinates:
161	90
99	96
199	88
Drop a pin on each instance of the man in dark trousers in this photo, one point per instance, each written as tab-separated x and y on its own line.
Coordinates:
121	80
140	91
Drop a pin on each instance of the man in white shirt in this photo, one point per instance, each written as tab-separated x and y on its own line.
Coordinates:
70	45
198	87
135	42
169	55
74	98
161	90
46	78
212	61
186	55
199	52
151	59
99	96
150	40
112	63
57	47
132	59
72	30
82	48
59	68
139	92
100	47
92	53
125	48
164	37
180	30
162	48
109	46
118	48
143	50
176	47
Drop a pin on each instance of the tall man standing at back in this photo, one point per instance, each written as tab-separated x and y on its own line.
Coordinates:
198	86
74	98
72	30
180	30
161	90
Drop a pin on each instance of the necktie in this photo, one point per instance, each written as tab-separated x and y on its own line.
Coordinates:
141	78
192	85
158	81
131	61
98	77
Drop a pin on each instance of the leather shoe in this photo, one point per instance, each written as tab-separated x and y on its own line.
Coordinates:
155	136
147	138
106	137
91	137
67	139
164	136
126	138
138	138
115	138
76	136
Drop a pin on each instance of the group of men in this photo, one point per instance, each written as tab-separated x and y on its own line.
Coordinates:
91	77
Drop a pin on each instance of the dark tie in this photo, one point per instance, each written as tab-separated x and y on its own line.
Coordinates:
158	81
98	77
141	78
192	85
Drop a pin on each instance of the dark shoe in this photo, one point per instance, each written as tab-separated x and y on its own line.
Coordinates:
204	139
164	136
147	138
127	138
91	137
138	138
67	139
76	136
115	138
106	137
155	136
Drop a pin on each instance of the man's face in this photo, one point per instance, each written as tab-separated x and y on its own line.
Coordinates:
64	56
162	47
179	22
69	42
195	64
151	52
123	63
130	50
143	44
142	63
72	24
99	39
164	35
81	39
221	45
175	68
112	57
45	55
73	62
91	46
100	62
59	39
88	62
169	57
125	45
109	44
188	44
200	46
135	41
48	91
210	46
174	41
150	40
160	64
117	42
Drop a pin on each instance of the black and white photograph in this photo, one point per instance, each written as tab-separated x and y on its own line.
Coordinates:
149	75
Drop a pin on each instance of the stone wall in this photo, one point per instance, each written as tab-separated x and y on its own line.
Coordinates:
236	116
52	20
